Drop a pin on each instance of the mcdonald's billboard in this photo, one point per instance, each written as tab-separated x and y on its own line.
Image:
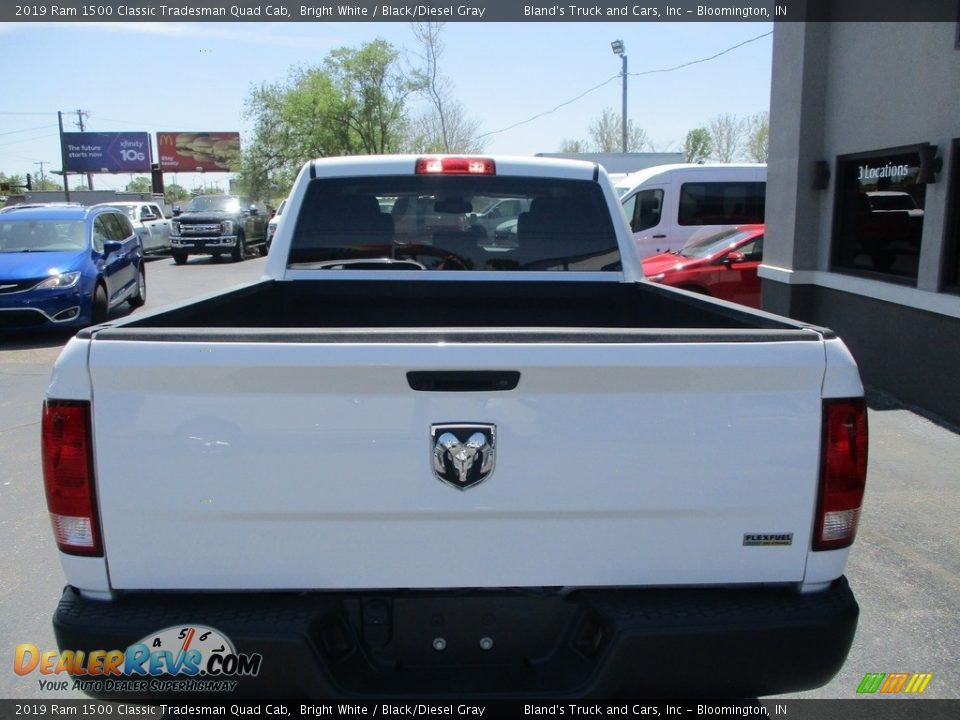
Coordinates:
199	151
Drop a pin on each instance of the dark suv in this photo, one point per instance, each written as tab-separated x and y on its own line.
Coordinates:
218	224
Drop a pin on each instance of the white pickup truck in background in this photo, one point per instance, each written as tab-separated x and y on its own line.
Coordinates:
437	465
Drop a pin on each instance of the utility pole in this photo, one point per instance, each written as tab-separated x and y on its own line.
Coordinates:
81	114
41	164
63	159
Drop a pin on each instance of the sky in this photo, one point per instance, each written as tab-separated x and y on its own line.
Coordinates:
196	77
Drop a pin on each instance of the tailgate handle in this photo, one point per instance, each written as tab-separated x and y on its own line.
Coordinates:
463	380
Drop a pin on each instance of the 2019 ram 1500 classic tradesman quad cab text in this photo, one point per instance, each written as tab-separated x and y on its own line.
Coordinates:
438	465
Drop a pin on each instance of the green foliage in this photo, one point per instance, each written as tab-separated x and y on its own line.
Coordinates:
353	103
758	137
17	183
45	183
140	185
697	147
173	193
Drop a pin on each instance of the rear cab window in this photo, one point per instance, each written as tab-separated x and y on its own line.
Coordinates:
436	222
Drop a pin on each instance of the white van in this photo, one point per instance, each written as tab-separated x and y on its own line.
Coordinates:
667	205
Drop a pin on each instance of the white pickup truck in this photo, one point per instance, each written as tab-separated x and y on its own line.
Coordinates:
440	465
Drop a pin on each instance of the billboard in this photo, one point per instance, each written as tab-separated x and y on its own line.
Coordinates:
199	151
95	152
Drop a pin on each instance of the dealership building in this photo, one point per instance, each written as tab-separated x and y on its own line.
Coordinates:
863	198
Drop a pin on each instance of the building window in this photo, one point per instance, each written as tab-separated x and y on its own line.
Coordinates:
951	275
879	216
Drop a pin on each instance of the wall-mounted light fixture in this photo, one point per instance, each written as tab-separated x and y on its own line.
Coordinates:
930	165
821	175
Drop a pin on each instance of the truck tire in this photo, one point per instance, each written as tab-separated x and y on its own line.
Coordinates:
180	258
239	252
139	298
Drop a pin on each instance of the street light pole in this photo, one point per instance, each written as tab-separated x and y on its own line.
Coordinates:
620	49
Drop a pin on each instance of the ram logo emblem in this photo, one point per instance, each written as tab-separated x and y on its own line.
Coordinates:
463	454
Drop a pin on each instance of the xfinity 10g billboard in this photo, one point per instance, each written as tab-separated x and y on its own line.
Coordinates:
108	152
199	151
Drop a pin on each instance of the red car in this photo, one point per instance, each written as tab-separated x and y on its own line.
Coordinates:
723	265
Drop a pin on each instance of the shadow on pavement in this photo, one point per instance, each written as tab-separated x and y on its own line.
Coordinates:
881	400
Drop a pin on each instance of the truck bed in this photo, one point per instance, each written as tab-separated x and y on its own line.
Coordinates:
485	310
302	413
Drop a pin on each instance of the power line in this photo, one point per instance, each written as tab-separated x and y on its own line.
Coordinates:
23	140
39	127
553	110
703	60
618	75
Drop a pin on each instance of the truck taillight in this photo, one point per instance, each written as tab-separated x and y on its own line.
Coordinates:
455	166
843	473
68	476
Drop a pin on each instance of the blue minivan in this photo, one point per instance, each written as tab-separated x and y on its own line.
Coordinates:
67	266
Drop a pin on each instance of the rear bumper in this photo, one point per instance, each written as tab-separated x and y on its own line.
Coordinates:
719	643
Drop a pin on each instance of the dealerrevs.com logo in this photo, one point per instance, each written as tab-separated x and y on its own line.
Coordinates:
181	658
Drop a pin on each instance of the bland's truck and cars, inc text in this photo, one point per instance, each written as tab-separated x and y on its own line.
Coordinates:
419	460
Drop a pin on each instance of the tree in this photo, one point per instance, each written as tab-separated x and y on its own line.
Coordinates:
573	146
16	182
354	103
173	193
140	185
206	190
606	134
726	137
758	137
697	146
444	127
45	183
371	94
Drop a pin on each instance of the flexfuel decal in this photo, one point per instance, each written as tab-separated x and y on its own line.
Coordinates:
767	539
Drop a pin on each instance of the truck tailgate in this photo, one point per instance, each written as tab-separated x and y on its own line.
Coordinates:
300	465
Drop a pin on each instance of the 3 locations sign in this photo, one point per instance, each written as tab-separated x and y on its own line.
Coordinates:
198	151
125	152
